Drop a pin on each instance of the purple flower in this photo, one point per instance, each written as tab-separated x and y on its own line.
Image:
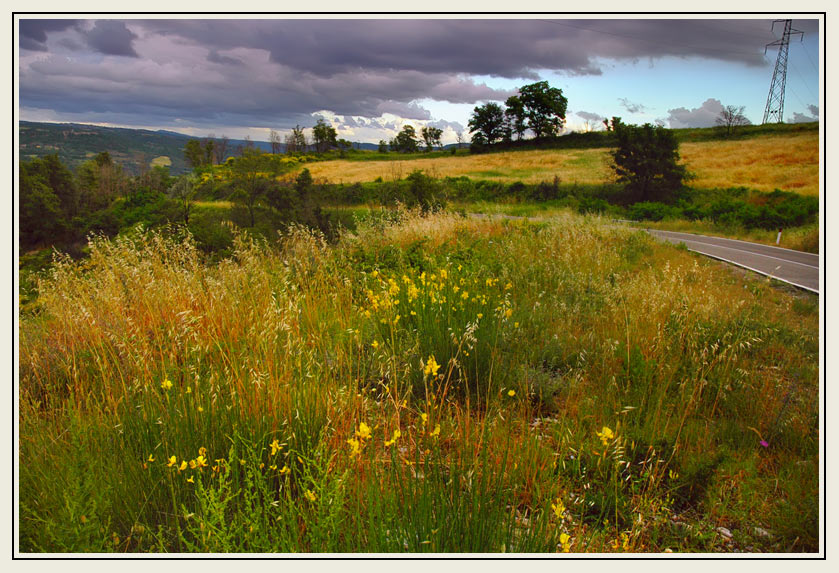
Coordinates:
764	443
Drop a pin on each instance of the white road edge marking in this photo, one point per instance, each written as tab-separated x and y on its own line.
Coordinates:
738	240
756	271
745	251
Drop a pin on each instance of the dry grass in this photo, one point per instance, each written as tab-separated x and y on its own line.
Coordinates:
790	163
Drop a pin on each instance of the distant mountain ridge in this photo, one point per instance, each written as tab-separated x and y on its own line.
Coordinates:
134	149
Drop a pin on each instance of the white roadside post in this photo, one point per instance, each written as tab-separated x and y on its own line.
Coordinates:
778	240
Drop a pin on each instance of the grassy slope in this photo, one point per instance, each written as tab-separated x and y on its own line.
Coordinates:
145	352
765	163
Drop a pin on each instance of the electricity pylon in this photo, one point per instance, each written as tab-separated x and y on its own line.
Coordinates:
775	102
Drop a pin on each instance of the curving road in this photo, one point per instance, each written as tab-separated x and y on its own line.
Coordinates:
793	267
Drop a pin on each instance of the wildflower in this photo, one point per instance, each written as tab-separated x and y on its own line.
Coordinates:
275	447
508	286
764	443
431	367
151	457
200	408
364	432
436	431
200	462
375	344
189	389
167	384
558	508
310	495
565	541
396	435
516	325
605	435
183	466
202	451
190	479
480	315
508	313
375	274
355	447
285	470
172	461
272	467
511	393
192	464
424	418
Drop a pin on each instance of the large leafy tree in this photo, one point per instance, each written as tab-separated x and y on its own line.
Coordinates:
431	136
249	178
325	136
544	108
647	161
406	140
487	123
516	116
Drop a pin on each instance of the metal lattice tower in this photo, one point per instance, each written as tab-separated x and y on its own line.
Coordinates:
775	102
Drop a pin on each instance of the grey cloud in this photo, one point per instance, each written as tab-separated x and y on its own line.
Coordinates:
112	38
589	116
632	107
802	118
814	110
217	58
703	116
36	30
408	111
443	124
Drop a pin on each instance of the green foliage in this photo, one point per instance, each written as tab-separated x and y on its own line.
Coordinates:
325	136
646	160
431	136
405	141
544	107
486	124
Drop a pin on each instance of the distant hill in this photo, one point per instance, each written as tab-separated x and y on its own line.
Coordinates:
134	149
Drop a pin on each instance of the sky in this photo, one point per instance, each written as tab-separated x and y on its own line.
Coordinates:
369	77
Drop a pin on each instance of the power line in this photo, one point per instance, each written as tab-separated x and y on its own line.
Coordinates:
775	101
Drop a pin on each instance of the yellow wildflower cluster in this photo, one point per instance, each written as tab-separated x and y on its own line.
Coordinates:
443	293
605	435
565	542
357	442
431	367
198	463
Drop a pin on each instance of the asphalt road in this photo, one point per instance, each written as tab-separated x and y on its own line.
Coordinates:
794	267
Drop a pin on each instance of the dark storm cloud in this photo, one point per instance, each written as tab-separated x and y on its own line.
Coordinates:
278	72
814	110
112	38
631	107
704	116
802	118
33	33
506	48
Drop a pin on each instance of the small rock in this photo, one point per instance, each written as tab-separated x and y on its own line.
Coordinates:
759	531
724	532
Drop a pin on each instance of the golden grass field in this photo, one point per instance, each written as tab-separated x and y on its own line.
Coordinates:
789	163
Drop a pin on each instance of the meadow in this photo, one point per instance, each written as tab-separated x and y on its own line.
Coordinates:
424	383
789	162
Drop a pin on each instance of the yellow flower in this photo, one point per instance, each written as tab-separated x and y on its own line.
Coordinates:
508	313
200	462
355	447
202	451
605	435
396	435
310	495
375	344
375	274
516	325
167	384
285	470
190	479
200	408
151	457
431	367
172	461
364	432
511	393
436	431
183	466
559	508
424	418
480	315
275	447
565	540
